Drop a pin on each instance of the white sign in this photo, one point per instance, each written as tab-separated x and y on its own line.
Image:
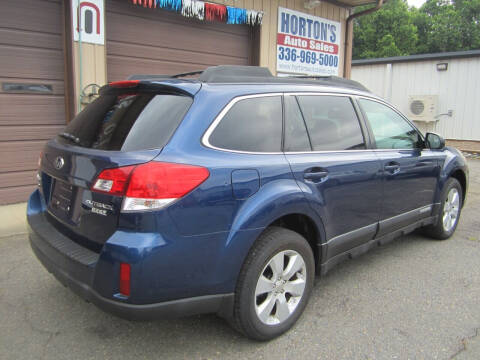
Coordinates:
89	14
307	44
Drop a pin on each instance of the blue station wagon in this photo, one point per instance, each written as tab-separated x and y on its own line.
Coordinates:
227	193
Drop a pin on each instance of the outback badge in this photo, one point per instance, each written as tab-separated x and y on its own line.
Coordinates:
98	207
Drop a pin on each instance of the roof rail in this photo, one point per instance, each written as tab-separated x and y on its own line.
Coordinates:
148	77
163	76
234	73
257	74
332	81
191	73
221	73
254	74
315	77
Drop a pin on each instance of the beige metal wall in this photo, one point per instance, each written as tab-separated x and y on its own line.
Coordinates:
93	67
93	62
94	56
457	90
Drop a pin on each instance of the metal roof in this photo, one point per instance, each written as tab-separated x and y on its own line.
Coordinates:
350	3
419	57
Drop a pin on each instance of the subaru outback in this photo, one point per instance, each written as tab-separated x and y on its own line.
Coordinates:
228	193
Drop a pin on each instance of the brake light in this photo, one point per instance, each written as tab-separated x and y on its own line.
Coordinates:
124	84
159	180
152	185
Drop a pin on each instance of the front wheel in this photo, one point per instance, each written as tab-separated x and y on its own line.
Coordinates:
274	284
451	207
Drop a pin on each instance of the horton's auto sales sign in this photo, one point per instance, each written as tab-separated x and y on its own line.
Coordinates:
307	44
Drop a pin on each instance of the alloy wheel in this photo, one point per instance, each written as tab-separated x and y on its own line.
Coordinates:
451	209
280	287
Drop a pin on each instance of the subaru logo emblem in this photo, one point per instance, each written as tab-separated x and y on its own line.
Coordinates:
58	162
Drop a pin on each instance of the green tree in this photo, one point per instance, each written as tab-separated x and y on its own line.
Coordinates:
452	25
438	26
387	31
387	47
423	23
469	13
444	33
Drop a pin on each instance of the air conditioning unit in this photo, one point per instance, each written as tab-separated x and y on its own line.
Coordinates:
423	108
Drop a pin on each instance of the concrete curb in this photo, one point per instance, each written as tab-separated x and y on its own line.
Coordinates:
13	219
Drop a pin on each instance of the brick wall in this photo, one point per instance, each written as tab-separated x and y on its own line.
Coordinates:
465	145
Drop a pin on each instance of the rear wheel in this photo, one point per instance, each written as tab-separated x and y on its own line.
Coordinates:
274	284
451	207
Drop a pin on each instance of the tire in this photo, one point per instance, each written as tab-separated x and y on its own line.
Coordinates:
444	229
257	289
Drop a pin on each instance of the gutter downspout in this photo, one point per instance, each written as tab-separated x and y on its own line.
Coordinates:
80	64
347	61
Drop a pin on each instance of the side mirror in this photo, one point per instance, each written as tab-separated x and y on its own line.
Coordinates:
434	141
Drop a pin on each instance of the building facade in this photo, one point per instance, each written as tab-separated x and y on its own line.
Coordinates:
446	85
55	54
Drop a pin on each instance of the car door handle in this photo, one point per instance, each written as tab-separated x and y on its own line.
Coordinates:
392	167
315	174
424	163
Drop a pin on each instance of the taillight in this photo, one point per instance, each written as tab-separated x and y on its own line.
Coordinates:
113	181
152	185
124	84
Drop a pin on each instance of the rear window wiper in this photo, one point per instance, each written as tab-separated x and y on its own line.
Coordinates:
71	137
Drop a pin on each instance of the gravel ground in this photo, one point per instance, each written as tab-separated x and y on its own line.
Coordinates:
412	299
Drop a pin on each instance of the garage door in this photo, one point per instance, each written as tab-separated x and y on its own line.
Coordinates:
153	41
32	105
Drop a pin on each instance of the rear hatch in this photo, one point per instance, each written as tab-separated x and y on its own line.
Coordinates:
128	124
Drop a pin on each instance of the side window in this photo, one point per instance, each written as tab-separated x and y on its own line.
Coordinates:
390	130
332	123
253	124
296	137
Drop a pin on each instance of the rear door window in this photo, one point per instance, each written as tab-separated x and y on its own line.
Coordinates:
251	125
332	122
127	121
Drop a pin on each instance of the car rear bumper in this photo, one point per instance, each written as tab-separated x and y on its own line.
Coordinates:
176	308
75	267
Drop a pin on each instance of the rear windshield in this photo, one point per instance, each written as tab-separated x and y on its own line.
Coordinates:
127	121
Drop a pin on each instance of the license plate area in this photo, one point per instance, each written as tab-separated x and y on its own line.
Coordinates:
61	201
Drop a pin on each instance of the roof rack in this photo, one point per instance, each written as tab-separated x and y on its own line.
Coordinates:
163	76
191	73
332	81
316	77
255	74
235	73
